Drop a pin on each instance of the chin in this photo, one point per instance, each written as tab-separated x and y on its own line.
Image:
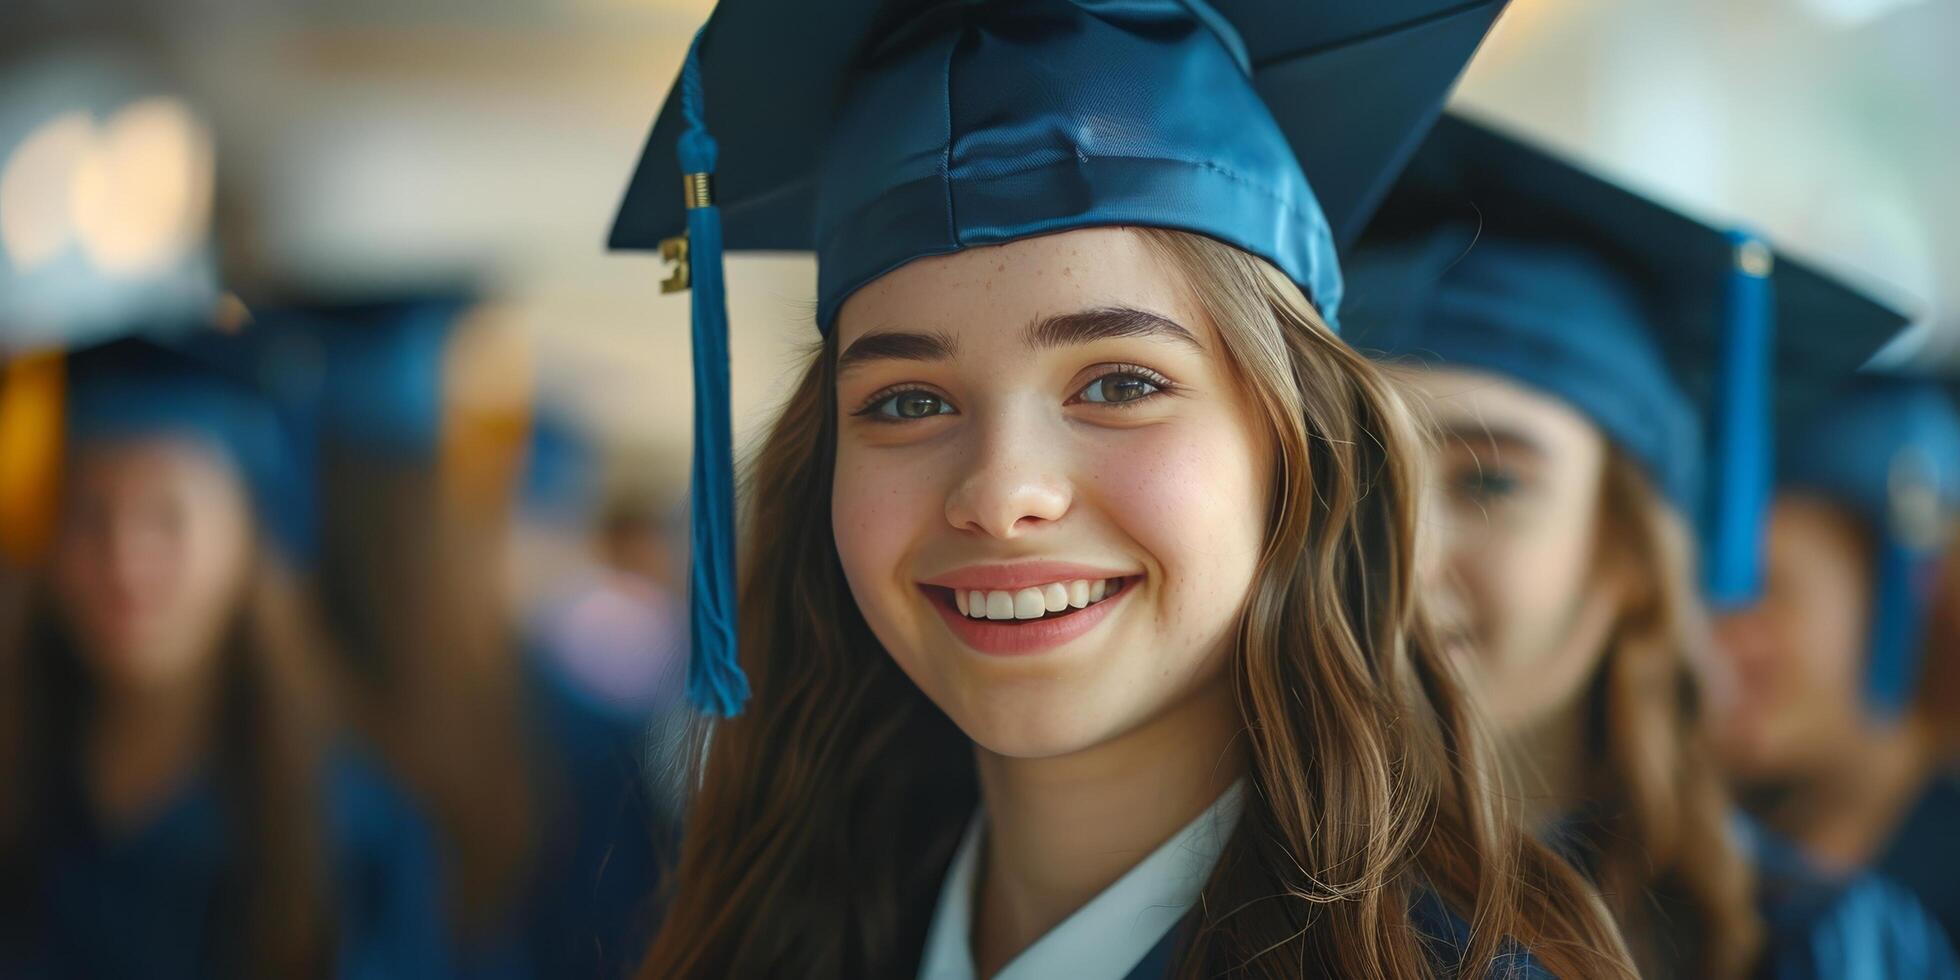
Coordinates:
1034	728
1037	714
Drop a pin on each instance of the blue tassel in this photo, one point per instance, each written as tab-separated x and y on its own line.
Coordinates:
1739	485
715	683
1898	615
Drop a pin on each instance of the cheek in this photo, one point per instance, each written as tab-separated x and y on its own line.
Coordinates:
882	504
1524	579
205	562
1827	632
1195	499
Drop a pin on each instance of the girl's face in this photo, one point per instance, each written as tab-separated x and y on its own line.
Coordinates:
1051	492
1798	655
150	558
1511	535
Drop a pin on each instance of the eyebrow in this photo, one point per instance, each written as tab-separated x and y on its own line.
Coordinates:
895	345
1060	330
1106	323
1476	435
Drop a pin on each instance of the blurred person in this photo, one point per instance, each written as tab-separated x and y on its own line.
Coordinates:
182	803
618	629
1584	376
611	617
1076	603
549	841
1840	735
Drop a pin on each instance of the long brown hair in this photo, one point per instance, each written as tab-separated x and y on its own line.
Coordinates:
268	743
408	584
1655	831
826	814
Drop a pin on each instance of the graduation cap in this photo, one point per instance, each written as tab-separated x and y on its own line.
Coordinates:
1677	338
384	370
208	387
876	132
105	203
1887	449
393	388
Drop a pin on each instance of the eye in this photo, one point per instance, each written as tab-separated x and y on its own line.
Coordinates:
907	405
1122	387
1487	485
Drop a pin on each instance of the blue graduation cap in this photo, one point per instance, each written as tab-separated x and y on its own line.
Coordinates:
1887	449
876	132
384	369
1676	338
213	388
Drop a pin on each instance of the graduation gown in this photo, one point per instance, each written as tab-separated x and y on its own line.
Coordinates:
588	910
146	902
1134	929
1823	927
1924	853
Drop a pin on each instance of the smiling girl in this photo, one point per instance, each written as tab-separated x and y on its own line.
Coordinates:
1078	604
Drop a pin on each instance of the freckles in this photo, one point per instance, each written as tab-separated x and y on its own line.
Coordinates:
1186	483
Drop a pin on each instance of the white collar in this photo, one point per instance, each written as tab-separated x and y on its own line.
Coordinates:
1104	939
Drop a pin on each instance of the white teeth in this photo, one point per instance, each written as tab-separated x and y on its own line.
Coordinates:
1031	603
1054	597
1028	604
1000	605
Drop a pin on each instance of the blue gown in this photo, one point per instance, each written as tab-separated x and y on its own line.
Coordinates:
1822	927
145	903
1924	853
589	910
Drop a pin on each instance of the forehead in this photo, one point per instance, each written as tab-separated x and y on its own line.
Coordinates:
1461	401
140	461
979	290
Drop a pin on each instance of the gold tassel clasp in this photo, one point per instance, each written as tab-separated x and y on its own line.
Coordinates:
675	250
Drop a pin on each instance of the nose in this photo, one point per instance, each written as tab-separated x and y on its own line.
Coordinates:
1015	480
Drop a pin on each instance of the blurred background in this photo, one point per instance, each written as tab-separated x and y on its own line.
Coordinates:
448	169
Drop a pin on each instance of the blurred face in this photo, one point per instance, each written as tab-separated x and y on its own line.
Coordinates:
1510	541
150	558
1798	655
1050	495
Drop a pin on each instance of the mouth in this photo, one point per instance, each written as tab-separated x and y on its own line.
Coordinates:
1033	604
1030	619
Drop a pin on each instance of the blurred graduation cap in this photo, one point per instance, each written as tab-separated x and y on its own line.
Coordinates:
1677	338
217	389
876	132
105	203
1887	449
398	383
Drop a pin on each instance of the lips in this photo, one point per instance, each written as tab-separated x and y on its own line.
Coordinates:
1028	606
